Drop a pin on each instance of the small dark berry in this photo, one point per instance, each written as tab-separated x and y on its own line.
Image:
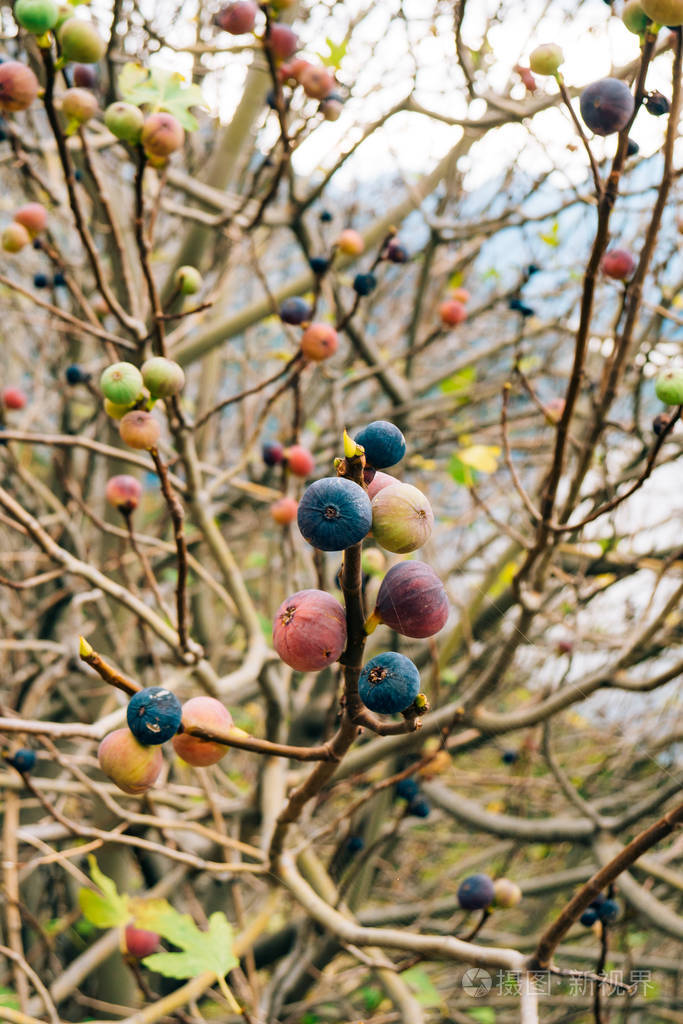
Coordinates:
608	911
272	453
355	844
532	269
407	789
319	265
40	280
78	175
419	808
396	253
270	100
75	375
509	756
59	280
632	148
295	311
656	104
363	284
325	216
519	307
661	422
589	917
22	760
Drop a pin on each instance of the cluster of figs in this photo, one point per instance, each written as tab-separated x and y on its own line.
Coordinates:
336	513
130	392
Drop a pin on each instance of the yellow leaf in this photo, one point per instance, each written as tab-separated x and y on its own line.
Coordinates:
482	457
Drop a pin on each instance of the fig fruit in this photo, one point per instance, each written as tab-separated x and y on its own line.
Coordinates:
123	492
134	768
140	942
300	462
319	341
309	630
334	513
389	683
607	106
477	892
37	16
402	518
121	383
412	600
153	715
18	86
139	429
383	442
125	121
80	41
163	377
202	713
669	386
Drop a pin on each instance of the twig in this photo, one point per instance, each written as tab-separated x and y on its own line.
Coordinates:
110	674
178	519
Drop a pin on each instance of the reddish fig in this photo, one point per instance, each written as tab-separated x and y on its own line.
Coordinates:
32	216
139	942
319	341
282	41
237	18
402	518
461	295
299	460
14	398
618	264
411	600
452	313
317	82
79	105
162	134
132	767
309	630
284	510
139	429
202	713
85	76
350	242
376	480
554	410
18	86
124	493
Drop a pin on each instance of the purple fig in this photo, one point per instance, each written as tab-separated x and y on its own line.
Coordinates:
411	600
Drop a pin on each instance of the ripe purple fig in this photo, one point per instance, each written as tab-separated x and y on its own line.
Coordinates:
476	892
607	106
79	105
282	41
309	630
164	377
162	134
202	713
85	76
139	429
139	942
123	492
18	86
125	121
129	765
411	600
402	518
80	41
121	383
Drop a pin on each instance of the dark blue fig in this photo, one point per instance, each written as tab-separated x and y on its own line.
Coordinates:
334	513
364	284
23	760
384	444
325	216
520	307
59	280
532	269
419	808
40	280
412	600
632	148
608	911
319	265
509	756
389	683
656	104
607	106
396	252
295	311
75	375
154	715
407	789
477	892
589	917
354	844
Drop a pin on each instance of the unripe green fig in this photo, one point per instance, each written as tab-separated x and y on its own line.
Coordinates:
507	893
121	383
18	86
131	766
546	59
402	518
124	121
664	12
81	42
15	237
37	16
669	386
116	412
634	17
79	105
163	377
162	134
188	280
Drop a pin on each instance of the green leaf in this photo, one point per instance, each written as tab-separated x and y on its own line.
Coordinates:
422	985
8	998
483	1014
161	90
460	382
372	997
461	473
552	237
337	52
201	951
107	910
